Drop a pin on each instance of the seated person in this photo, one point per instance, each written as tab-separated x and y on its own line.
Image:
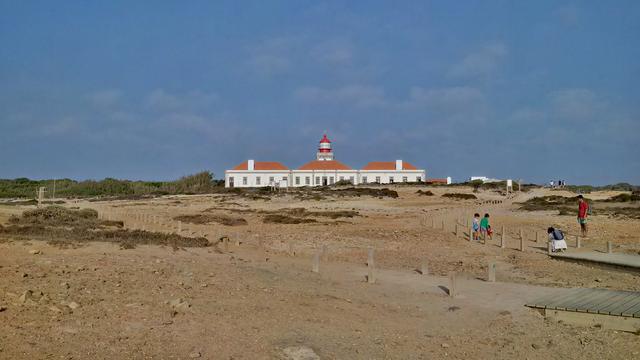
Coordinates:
557	240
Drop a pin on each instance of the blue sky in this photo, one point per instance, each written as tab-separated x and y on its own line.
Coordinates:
156	90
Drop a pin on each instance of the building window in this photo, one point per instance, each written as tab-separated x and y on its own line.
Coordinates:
284	178
364	179
378	179
244	180
331	180
318	180
341	178
257	180
418	179
307	180
297	180
404	179
390	179
271	180
351	179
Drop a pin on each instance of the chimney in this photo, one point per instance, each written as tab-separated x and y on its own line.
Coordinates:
251	165
398	164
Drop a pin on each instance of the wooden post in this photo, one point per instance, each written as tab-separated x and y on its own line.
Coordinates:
492	271
536	236
503	243
452	284
578	244
609	247
226	243
291	249
424	268
470	233
549	247
316	262
521	241
370	267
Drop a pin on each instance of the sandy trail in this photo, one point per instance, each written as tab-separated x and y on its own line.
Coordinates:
250	304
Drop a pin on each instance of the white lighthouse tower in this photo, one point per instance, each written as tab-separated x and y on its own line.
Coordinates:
324	150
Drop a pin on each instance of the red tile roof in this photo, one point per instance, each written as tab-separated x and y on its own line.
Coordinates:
387	165
262	165
324	165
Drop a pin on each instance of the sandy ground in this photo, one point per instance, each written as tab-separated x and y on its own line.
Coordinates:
253	302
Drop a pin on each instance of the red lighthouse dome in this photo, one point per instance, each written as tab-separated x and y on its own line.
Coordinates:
325	144
324	150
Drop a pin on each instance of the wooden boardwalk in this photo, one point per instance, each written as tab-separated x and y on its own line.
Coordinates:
615	259
608	308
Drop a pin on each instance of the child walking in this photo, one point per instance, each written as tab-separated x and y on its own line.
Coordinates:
476	226
485	228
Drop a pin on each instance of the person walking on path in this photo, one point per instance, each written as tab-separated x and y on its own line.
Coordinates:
484	226
583	212
476	226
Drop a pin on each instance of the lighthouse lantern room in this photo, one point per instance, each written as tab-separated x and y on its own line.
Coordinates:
324	150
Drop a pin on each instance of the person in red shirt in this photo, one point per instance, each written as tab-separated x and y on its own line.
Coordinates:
583	210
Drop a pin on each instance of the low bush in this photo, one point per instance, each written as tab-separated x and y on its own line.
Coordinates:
460	196
62	227
211	218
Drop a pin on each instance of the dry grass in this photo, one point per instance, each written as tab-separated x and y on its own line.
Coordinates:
460	196
211	218
285	219
68	227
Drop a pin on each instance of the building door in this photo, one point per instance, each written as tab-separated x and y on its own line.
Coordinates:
324	181
231	182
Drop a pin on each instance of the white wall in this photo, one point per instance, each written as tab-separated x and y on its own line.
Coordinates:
315	175
385	176
252	177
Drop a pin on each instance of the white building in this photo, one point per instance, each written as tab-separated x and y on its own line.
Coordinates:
323	171
484	179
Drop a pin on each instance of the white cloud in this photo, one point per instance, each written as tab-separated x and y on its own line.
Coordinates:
527	116
270	64
273	56
161	100
60	127
452	99
481	63
105	98
358	95
334	52
568	14
576	104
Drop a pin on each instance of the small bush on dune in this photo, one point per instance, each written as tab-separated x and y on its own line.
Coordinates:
460	196
624	198
210	218
69	226
285	219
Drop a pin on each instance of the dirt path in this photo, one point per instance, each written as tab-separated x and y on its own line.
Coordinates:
153	302
250	305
